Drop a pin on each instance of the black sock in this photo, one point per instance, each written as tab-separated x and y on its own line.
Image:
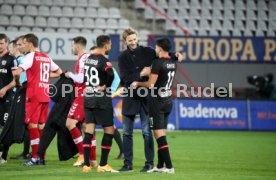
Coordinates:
106	146
163	150
26	145
87	148
118	140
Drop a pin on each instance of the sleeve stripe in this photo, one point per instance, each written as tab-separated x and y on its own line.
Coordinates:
107	67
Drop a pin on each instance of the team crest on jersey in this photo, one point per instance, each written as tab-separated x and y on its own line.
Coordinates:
4	62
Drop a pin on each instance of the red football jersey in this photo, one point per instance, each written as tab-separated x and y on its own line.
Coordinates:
38	67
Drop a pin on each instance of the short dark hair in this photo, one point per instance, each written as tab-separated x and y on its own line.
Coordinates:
164	43
32	38
102	40
92	48
80	40
4	36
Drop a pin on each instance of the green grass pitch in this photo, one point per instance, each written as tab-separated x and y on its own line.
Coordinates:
195	155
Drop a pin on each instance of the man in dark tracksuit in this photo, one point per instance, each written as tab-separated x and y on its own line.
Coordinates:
134	65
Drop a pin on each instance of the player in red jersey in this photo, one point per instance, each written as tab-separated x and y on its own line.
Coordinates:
39	68
76	113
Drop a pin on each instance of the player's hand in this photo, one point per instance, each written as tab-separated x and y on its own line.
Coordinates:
134	84
145	71
179	56
67	74
3	92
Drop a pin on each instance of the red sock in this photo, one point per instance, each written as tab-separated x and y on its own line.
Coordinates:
93	149
34	138
77	138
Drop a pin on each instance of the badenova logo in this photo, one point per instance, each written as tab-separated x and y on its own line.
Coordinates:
207	112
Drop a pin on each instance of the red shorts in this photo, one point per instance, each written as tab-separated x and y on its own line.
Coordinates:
77	111
36	112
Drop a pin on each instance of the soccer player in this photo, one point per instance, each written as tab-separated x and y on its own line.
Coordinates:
98	103
160	80
7	65
76	113
39	68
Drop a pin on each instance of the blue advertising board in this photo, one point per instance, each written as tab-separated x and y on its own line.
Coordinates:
263	115
222	49
212	114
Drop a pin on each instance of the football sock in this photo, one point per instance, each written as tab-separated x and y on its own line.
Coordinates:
106	146
34	139
93	149
87	148
163	150
77	138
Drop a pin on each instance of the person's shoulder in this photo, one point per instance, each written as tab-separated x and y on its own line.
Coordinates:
123	55
148	49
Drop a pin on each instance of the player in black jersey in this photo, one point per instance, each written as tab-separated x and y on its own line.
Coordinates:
160	82
98	103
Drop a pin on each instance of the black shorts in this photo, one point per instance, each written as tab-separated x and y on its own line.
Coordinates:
98	116
5	105
160	110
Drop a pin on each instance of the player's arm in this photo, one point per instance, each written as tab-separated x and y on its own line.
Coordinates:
148	84
4	90
55	70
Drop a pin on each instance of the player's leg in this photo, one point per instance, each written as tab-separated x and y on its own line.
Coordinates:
89	131
118	139
93	158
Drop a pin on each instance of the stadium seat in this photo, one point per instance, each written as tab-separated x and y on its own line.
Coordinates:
112	23
237	33
228	14
98	31
272	25
110	31
271	14
183	14
158	16
251	15
58	3
55	11
169	26
139	5
172	13
123	24
86	31
271	33
202	32
22	2
62	30
250	25
227	24
19	10
77	23
35	2
225	32
49	30
44	11
204	24
88	23
91	12
40	21
94	3
47	3
24	29
152	2
149	14
217	4
239	5
100	23
37	29
239	25
31	10
72	30
143	34
11	29
213	32
28	21
260	33
183	4
194	14
192	24
4	21
217	14
67	12
70	3
52	22
206	5
65	22
261	5
262	15
272	4
248	33
182	23
173	4
216	25
103	13
11	2
229	5
15	20
162	4
114	13
239	15
2	28
79	12
251	5
82	3
205	14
